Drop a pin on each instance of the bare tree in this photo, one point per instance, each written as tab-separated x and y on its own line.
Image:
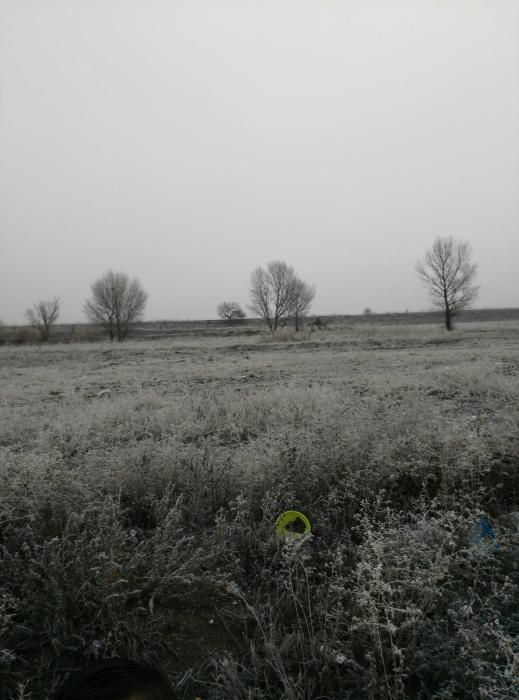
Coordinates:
302	297
230	311
449	275
43	316
260	295
277	294
116	303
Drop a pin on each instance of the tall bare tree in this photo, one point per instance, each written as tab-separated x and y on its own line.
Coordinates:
277	294
116	303
449	274
43	316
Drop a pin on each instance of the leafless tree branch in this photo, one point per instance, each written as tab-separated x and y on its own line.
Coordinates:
116	303
449	274
277	294
230	311
43	316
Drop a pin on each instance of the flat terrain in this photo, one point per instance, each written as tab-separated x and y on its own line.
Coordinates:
140	484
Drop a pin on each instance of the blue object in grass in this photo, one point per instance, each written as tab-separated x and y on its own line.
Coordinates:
485	534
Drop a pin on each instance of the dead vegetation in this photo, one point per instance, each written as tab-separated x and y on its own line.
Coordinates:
140	486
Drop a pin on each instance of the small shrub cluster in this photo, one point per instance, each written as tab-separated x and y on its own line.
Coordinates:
26	336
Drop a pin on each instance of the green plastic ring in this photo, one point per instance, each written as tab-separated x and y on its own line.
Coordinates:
289	518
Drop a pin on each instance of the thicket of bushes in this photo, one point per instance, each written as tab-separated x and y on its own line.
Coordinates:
144	526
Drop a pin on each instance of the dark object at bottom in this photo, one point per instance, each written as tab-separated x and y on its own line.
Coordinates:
117	679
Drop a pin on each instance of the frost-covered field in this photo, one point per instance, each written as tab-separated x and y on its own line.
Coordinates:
140	484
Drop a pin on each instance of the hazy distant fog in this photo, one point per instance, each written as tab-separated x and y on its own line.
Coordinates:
188	141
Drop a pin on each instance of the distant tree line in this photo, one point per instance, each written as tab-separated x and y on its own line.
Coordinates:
277	294
115	303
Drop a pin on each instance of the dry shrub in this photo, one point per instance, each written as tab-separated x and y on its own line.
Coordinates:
26	336
141	522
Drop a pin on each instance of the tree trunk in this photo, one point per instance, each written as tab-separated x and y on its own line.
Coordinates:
448	318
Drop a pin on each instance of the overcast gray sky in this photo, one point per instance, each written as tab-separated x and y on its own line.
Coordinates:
188	141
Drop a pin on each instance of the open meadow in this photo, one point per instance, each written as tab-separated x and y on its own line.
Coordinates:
140	484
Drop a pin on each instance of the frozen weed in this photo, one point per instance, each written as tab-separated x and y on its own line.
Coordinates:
139	488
